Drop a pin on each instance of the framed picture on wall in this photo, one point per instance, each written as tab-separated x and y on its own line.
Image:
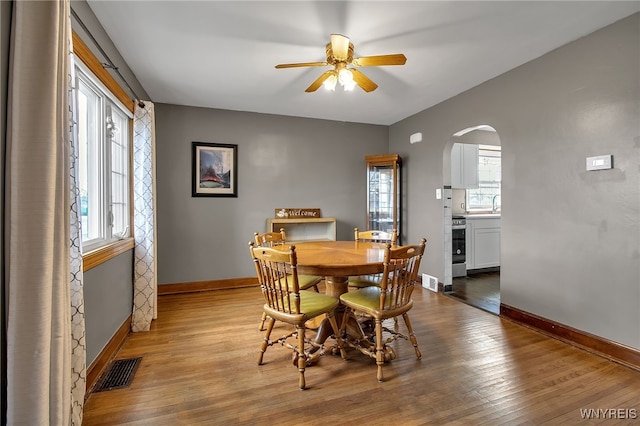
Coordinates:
214	170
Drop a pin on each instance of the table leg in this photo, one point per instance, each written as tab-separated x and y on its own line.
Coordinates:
335	286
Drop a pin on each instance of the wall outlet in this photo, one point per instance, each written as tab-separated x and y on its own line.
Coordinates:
430	283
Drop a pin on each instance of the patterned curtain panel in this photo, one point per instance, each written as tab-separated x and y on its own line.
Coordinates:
78	343
45	351
145	279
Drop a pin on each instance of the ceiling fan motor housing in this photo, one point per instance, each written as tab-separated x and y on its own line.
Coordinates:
331	59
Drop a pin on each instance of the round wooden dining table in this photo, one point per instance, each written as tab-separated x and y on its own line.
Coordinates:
336	261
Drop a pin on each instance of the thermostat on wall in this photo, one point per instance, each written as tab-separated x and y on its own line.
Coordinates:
600	162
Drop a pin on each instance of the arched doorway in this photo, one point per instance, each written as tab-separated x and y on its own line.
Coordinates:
472	211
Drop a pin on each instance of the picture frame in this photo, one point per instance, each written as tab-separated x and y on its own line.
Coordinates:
214	170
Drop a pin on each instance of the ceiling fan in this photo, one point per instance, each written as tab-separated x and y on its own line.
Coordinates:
340	56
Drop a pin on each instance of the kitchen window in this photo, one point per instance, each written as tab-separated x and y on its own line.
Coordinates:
103	139
486	197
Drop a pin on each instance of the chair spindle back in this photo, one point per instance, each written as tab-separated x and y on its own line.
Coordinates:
278	277
376	236
270	239
401	266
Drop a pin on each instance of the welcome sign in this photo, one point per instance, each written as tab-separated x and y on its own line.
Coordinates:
289	213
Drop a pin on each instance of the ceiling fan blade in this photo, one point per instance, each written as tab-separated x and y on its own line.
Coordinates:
316	84
302	64
363	81
372	61
340	47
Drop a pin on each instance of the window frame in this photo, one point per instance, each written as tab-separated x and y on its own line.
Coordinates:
84	55
469	192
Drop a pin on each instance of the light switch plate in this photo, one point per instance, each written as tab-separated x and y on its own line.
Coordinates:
600	162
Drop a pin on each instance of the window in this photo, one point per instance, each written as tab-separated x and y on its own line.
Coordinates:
103	134
487	196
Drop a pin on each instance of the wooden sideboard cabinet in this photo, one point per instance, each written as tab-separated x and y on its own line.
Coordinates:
312	229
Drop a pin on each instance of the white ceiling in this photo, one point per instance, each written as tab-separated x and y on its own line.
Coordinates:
221	54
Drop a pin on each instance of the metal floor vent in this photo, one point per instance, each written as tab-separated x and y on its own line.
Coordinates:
119	375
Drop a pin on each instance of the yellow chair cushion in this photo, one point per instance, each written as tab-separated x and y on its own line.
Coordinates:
313	304
304	281
365	299
365	281
307	281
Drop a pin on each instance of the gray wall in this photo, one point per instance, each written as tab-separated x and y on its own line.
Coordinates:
282	162
108	299
570	238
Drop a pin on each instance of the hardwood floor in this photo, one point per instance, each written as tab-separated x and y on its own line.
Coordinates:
199	367
481	290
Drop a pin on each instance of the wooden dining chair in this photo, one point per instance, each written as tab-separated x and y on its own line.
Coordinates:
286	302
270	239
375	237
391	299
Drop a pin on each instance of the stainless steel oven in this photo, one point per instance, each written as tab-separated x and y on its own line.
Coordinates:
458	249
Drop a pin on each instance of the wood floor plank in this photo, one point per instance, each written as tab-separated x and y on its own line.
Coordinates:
481	290
199	366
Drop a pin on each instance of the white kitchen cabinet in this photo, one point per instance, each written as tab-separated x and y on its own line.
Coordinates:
482	242
312	229
468	245
464	165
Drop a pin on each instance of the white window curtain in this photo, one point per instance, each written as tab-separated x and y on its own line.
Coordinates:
145	277
43	280
78	342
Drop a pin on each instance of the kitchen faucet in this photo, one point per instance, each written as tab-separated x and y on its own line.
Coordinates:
494	207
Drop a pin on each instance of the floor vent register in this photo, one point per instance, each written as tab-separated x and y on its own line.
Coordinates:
119	375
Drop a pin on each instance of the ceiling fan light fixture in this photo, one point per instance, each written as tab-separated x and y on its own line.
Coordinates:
349	86
345	76
330	82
